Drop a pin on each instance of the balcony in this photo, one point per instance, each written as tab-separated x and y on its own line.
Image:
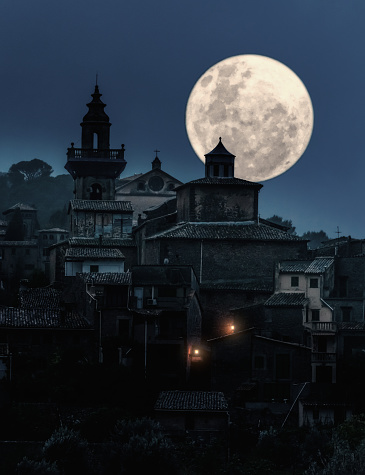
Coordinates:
321	327
95	153
323	357
83	162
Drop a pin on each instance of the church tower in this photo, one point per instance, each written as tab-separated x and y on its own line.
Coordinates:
95	166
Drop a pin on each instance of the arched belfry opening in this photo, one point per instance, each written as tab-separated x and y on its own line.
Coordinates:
96	191
95	141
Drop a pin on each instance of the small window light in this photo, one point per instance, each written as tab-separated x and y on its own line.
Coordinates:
232	328
196	352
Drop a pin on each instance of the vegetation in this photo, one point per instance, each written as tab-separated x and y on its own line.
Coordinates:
283	222
315	238
134	445
29	182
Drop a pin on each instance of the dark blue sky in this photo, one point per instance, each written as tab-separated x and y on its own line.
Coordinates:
148	56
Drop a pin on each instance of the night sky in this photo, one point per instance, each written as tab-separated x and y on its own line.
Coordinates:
148	56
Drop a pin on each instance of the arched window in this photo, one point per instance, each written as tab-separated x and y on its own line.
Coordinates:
96	192
141	186
95	140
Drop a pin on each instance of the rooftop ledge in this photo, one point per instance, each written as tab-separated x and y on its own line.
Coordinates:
95	154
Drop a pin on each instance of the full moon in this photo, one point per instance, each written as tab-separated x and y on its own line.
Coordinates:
259	107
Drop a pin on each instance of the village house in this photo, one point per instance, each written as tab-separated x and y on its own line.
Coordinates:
200	414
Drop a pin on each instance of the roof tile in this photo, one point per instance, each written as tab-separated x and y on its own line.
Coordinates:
93	253
247	230
286	299
191	401
107	278
101	205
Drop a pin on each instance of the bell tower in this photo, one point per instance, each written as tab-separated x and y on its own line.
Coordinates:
95	166
219	163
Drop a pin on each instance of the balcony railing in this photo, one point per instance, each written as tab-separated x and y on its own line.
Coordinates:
323	357
321	326
95	153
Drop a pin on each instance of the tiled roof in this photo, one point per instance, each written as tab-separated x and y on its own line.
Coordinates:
93	253
53	230
223	181
220	150
319	265
191	401
286	299
252	286
247	230
18	244
315	266
46	298
294	266
101	205
105	242
20	206
351	325
40	318
107	278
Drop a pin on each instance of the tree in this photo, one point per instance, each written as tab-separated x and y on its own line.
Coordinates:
283	222
29	170
315	238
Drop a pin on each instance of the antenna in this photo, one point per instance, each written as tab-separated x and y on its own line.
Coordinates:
338	232
96	79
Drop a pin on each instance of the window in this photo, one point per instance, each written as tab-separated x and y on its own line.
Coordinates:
62	237
343	280
44	236
313	283
51	237
141	186
322	344
96	191
13	251
94	268
282	366
215	170
315	315
167	291
259	362
346	314
295	281
27	252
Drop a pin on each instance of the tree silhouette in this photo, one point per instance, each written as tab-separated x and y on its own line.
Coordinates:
29	170
283	222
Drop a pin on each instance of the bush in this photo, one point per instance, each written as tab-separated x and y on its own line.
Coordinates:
68	450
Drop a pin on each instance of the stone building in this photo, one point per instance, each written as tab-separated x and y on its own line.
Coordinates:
147	190
216	229
28	216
